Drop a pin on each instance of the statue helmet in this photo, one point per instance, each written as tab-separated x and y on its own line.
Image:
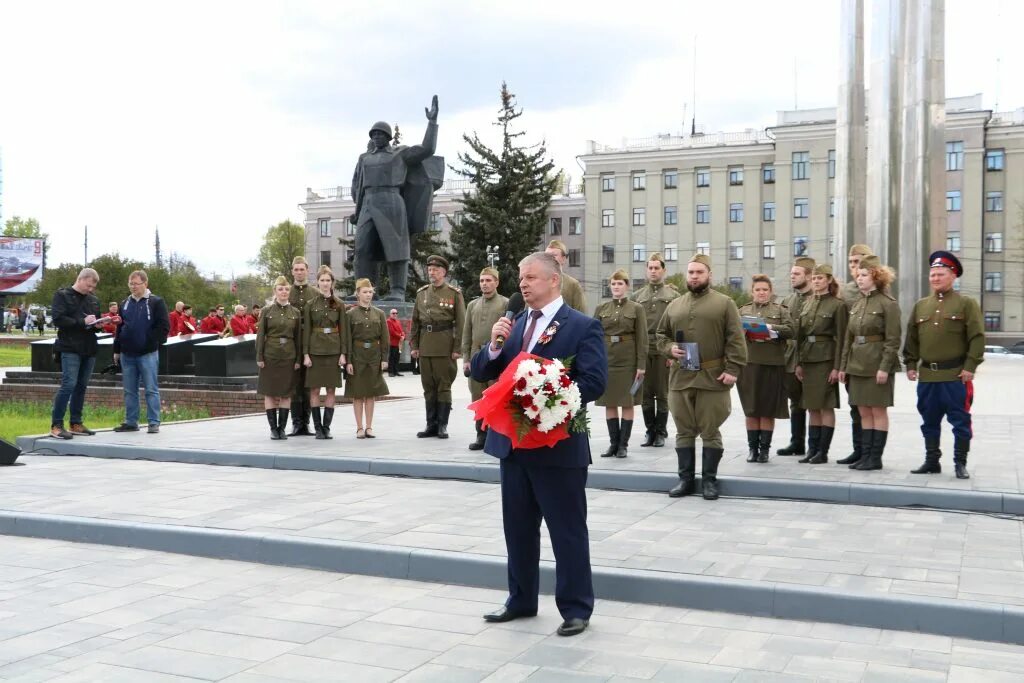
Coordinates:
383	127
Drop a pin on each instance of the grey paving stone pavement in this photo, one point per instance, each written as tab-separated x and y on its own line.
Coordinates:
218	620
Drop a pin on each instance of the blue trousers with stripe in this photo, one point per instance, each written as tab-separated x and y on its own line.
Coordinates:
951	400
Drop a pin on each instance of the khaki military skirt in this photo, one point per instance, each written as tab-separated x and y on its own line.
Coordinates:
325	372
277	378
616	394
762	390
865	392
367	382
818	394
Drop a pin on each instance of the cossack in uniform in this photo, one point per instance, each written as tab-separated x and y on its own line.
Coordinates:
761	385
625	341
367	351
278	342
481	314
324	338
298	297
654	299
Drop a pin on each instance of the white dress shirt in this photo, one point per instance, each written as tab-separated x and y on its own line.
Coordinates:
547	315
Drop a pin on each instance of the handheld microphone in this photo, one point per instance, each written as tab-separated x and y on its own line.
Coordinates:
515	305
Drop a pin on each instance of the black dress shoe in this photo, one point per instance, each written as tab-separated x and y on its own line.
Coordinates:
500	616
573	627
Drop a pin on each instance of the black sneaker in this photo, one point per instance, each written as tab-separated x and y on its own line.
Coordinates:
125	427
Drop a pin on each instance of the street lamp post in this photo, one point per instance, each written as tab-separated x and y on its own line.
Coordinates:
493	255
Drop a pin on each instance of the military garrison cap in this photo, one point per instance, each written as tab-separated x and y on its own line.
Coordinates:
869	262
702	259
435	260
805	262
944	259
822	269
860	250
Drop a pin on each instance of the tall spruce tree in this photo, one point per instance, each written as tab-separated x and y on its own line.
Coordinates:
508	205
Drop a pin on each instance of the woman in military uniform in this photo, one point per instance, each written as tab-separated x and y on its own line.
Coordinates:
367	357
762	383
324	337
625	339
278	343
870	358
820	336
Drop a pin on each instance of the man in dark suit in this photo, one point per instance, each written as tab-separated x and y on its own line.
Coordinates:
546	483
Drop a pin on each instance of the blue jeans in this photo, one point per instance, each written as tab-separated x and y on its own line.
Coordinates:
75	371
134	369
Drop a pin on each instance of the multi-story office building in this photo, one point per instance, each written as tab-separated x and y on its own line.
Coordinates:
754	200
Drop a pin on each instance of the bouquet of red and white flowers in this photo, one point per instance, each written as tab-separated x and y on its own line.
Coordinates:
534	402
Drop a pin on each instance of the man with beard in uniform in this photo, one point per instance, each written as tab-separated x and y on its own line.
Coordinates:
572	290
800	280
301	294
850	295
655	297
438	318
481	314
700	400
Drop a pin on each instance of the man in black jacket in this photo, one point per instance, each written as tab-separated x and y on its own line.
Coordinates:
75	314
143	330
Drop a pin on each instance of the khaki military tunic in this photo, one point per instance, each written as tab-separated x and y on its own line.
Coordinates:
820	336
872	343
278	345
794	304
850	294
572	293
625	340
299	296
324	340
438	318
699	403
481	314
655	299
762	387
945	330
367	349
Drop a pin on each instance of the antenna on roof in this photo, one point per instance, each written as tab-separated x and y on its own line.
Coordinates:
693	121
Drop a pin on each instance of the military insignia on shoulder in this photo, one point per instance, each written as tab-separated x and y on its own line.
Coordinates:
422	288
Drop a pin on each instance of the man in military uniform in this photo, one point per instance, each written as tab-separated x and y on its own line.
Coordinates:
699	400
481	314
438	318
301	293
383	225
655	297
850	295
944	345
572	291
800	280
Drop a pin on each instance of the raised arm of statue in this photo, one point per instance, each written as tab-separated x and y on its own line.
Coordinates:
417	153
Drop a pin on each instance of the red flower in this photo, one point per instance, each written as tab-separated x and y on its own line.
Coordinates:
526	401
521	384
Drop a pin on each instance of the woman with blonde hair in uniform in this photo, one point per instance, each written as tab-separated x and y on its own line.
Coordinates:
324	342
368	342
278	343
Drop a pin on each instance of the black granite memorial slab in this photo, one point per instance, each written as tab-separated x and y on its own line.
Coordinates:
177	353
42	354
228	357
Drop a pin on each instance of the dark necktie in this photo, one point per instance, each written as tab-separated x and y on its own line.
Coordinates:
534	317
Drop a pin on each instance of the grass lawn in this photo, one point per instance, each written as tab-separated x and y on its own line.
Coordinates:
14	356
21	418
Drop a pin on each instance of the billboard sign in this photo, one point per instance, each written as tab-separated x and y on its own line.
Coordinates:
21	264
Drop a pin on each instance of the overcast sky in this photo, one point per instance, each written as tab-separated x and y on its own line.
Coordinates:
210	119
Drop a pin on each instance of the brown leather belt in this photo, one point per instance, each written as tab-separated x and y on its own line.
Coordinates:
861	339
616	338
717	362
814	338
438	327
943	365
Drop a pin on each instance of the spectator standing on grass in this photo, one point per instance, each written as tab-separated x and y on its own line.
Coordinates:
75	310
143	330
41	321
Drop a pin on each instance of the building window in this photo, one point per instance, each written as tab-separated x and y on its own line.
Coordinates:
955	156
704	248
994	242
639	180
575	225
703	213
574	258
435	222
831	163
831	246
350	226
994	159
993	201
556	226
768	211
608	183
608	218
736	284
831	207
736	213
457	217
993	282
671	252
607	254
671	179
325	227
768	174
768	249
606	290
639	217
993	321
639	253
638	282
350	255
801	165
953	240
736	251
671	215
735	175
953	200
800	245
325	258
703	177
801	208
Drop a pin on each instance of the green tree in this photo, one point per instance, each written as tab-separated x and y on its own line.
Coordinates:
16	226
513	186
281	243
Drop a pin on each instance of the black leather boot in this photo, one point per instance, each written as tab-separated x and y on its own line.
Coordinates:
686	459
481	436
764	446
650	423
328	419
932	455
300	421
824	442
443	411
282	420
613	435
961	447
709	472
873	442
753	441
431	428
813	441
272	419
661	420
625	429
318	426
797	427
859	449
